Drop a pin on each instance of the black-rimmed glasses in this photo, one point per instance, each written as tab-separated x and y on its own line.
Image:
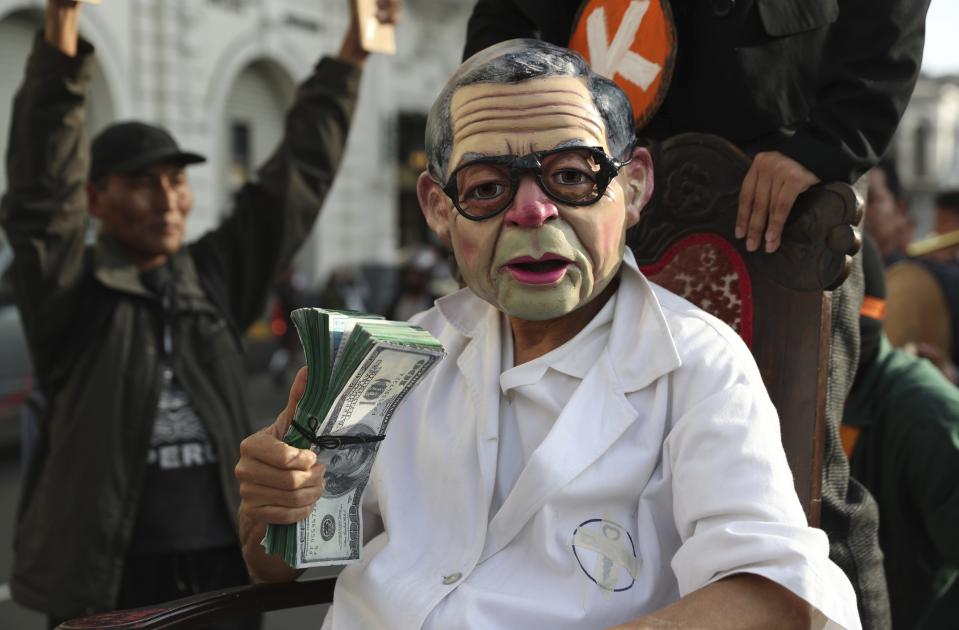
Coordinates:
576	176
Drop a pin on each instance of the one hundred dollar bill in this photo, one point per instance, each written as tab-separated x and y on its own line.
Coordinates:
333	532
361	368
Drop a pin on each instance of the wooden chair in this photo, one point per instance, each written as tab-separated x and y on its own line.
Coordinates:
776	302
684	241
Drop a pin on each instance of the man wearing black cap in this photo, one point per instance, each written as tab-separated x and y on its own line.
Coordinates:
129	497
901	432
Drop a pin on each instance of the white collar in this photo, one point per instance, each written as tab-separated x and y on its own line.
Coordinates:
573	358
639	327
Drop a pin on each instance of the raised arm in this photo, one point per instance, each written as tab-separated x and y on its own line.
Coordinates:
43	210
273	215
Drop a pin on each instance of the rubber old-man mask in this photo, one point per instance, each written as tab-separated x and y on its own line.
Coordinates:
540	258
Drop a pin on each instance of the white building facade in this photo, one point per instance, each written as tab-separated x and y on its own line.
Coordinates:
926	145
219	75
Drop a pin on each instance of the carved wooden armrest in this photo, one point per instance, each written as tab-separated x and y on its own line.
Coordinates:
697	182
202	609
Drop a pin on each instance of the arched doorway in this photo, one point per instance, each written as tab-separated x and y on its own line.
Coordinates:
16	40
253	119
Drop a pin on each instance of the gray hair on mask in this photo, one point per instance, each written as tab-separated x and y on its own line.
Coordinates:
519	60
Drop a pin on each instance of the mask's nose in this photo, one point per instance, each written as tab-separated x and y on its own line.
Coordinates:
531	207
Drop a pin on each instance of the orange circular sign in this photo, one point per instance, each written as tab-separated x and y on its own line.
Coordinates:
633	43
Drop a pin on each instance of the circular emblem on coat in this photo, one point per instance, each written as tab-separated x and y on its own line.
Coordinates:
606	554
376	389
327	527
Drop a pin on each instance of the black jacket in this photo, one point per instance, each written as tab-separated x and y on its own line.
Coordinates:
824	82
91	324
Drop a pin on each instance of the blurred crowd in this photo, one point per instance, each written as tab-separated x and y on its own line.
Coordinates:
921	270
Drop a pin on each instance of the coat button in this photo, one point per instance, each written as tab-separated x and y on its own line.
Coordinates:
452	578
722	8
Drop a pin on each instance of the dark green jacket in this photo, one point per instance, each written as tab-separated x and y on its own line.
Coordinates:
907	455
91	325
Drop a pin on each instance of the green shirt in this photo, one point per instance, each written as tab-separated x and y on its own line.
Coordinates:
907	456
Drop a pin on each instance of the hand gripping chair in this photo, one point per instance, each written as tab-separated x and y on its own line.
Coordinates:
778	303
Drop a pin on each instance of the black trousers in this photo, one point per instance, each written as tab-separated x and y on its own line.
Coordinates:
155	578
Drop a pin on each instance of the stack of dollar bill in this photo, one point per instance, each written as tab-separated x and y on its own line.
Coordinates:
361	367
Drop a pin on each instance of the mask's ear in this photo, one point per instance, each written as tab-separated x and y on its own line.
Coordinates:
639	184
435	205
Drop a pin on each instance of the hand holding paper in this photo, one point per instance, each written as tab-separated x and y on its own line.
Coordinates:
376	19
361	368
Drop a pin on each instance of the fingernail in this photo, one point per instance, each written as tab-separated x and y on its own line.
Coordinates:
751	244
740	232
770	247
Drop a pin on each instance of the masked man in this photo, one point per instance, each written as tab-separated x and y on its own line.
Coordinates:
593	451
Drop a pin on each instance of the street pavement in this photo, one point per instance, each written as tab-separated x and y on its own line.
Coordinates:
266	398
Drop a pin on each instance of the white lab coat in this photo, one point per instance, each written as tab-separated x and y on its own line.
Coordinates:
664	473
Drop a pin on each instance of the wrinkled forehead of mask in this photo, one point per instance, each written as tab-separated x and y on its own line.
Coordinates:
520	60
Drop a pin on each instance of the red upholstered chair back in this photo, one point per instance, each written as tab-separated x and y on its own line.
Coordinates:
778	303
708	271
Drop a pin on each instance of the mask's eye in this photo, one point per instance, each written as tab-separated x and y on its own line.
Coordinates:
569	177
485	191
572	175
483	188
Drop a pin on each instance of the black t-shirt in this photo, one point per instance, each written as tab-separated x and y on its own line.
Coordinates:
181	506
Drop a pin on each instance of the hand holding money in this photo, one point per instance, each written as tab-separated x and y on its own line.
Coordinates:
361	369
278	484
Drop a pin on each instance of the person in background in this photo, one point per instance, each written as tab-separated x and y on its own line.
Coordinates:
901	431
347	289
287	297
129	498
415	292
922	309
946	224
886	218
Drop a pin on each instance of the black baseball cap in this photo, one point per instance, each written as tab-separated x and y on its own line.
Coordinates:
129	147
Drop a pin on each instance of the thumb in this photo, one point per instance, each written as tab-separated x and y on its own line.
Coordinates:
282	423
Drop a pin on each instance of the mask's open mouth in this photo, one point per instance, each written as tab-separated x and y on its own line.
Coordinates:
540	266
548	270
